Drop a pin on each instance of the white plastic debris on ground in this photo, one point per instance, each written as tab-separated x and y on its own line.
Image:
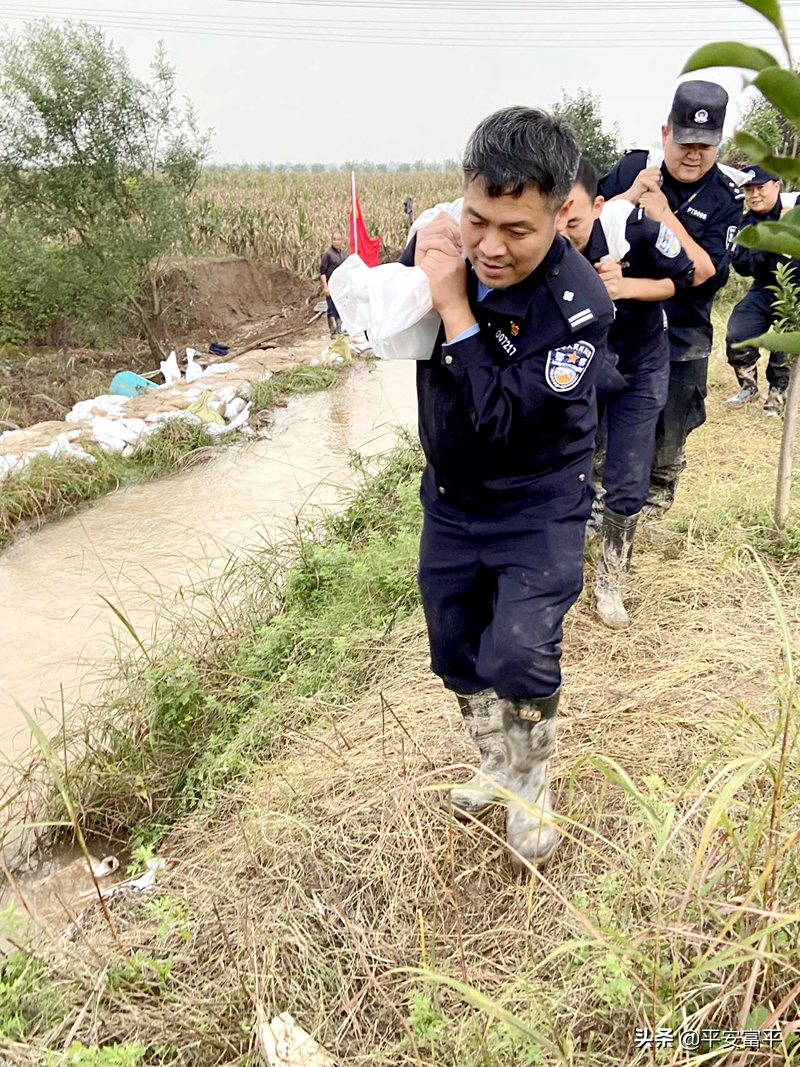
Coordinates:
119	424
286	1044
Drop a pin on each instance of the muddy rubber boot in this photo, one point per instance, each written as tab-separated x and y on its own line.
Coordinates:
661	492
748	391
483	715
339	329
613	564
530	727
775	402
332	325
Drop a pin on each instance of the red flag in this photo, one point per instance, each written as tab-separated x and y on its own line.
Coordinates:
361	244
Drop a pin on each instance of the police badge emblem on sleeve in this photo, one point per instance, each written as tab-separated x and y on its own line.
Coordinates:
667	244
566	366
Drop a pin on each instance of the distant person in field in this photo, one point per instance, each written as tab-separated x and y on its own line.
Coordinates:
332	258
507	420
754	314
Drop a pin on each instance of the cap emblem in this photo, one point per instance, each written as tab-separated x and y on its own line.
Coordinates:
701	115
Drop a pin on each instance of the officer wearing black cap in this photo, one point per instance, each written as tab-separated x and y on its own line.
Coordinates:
641	263
702	206
507	420
753	315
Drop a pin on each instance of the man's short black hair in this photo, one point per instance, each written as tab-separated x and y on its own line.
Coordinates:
588	177
519	148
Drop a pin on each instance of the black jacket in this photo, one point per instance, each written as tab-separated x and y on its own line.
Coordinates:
711	211
510	413
755	264
654	252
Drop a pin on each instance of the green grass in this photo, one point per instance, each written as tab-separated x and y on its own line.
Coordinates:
186	718
50	487
293	382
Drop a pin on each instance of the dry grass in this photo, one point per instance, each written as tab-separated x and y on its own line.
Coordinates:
323	885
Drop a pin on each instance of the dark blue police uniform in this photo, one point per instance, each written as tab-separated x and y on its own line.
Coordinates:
638	337
754	314
711	211
507	421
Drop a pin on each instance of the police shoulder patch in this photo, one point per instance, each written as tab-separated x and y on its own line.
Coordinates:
732	231
567	365
667	243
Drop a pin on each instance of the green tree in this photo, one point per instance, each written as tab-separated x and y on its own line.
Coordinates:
763	120
582	112
779	87
97	160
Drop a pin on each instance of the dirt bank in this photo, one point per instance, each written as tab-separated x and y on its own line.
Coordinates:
232	301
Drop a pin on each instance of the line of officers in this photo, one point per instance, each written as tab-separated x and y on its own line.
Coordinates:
567	301
699	203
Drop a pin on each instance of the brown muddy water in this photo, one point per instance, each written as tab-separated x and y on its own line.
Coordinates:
142	546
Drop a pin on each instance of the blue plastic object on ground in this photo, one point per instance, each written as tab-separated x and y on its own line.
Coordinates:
126	383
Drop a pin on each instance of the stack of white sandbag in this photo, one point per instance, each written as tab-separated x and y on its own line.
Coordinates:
105	419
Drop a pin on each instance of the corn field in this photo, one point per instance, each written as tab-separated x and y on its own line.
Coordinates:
288	218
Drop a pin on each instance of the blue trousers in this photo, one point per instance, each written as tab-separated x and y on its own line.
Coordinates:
495	588
752	316
332	307
627	439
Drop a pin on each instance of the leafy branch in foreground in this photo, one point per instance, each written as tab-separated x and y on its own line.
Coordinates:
780	87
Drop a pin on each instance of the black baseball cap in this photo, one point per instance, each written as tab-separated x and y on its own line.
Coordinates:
698	112
759	176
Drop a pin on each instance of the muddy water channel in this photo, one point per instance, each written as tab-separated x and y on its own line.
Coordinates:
140	547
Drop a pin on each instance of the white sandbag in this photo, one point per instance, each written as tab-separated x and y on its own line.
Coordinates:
453	207
193	370
9	463
233	408
392	303
110	403
240	418
219	368
114	434
614	220
227	394
170	369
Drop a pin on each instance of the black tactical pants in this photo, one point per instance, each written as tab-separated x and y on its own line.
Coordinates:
752	316
685	410
495	588
627	434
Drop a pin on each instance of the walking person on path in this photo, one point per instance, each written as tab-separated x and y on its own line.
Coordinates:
702	206
641	263
507	420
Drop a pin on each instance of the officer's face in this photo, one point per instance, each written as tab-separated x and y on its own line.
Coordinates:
506	237
576	224
687	162
762	198
337	241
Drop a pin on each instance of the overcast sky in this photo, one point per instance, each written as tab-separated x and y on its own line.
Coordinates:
326	80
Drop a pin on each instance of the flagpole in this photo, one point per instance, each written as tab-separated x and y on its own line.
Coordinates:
354	251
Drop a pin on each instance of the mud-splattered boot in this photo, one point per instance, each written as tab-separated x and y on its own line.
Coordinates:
775	402
613	564
530	727
483	715
334	325
662	490
748	387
